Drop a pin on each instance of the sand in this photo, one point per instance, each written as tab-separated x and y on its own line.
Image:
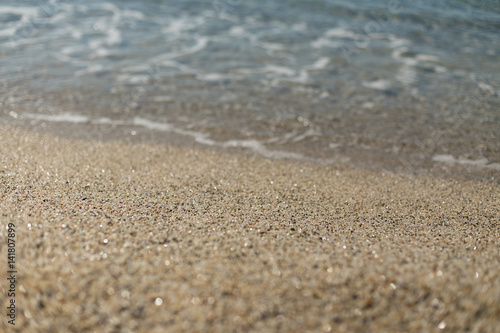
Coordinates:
123	237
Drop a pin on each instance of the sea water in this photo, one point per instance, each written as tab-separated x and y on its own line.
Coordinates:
397	83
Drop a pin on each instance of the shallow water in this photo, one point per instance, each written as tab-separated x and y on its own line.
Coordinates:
388	83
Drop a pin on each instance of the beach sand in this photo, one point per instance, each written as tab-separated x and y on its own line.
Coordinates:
130	237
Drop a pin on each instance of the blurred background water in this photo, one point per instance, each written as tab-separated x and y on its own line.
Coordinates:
406	84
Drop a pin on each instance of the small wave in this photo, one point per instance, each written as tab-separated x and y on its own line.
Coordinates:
450	159
23	11
378	85
89	70
320	63
331	38
202	138
64	117
182	24
340	32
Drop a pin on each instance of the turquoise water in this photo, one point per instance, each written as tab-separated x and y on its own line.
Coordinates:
359	81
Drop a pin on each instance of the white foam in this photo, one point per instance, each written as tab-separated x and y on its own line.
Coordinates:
283	139
280	70
340	33
107	121
202	138
444	158
8	32
450	159
378	85
396	42
58	17
114	36
259	148
64	117
74	32
201	43
211	77
323	42
407	61
440	69
133	14
99	51
228	17
182	24
398	52
73	118
24	11
108	6
320	63
238	31
427	57
153	125
407	75
336	33
487	87
69	50
303	77
89	70
324	94
285	74
309	133
199	137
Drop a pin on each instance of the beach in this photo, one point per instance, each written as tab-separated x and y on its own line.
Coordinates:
114	236
259	166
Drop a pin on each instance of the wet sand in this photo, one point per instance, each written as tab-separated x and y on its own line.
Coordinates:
129	237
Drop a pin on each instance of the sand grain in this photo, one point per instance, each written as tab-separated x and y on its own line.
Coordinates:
117	237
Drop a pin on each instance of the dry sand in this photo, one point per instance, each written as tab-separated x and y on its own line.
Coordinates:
120	237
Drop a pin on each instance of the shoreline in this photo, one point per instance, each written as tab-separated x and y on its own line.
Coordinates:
413	163
147	237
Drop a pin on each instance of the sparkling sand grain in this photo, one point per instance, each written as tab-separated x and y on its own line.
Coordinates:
120	237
